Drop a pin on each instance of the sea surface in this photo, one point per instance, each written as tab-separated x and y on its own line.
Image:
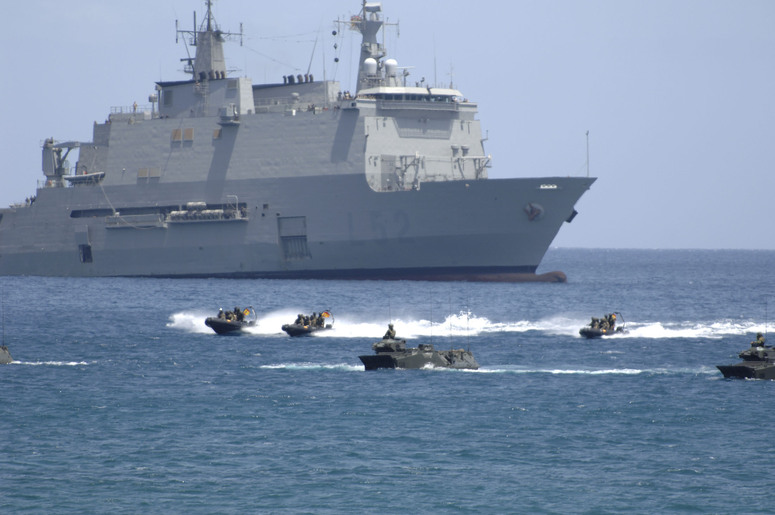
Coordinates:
121	400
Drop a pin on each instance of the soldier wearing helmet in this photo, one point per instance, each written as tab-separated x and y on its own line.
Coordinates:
390	334
759	341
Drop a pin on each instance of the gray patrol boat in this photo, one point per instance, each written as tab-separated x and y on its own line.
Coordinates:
758	362
392	353
220	177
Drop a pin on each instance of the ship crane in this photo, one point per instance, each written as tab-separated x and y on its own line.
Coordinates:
55	165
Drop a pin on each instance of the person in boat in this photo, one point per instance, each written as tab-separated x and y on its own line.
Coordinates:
238	314
390	334
759	341
606	323
299	320
220	314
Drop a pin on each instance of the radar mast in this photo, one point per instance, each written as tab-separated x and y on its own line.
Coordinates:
368	23
209	62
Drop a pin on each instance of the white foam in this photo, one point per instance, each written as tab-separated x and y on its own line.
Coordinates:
190	322
599	372
51	363
468	324
272	323
714	329
313	366
458	324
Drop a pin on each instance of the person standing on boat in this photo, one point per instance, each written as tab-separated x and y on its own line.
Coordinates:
759	341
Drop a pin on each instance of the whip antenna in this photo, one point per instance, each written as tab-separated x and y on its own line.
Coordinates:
450	318
431	318
468	329
587	153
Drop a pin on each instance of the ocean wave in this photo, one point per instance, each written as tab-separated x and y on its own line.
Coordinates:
51	363
313	366
599	372
307	366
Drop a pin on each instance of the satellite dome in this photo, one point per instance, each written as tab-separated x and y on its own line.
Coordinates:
391	65
370	66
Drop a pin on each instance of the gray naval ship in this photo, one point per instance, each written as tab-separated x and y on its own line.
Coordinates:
220	177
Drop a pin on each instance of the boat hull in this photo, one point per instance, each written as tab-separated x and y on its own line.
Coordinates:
748	370
303	330
223	326
590	333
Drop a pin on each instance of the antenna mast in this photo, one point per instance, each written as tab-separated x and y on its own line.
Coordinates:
208	39
368	23
587	153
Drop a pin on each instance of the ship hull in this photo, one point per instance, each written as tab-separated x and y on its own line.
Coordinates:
339	229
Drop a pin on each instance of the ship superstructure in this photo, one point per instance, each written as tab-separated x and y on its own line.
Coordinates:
297	178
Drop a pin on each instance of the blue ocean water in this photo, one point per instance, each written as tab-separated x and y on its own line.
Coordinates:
121	400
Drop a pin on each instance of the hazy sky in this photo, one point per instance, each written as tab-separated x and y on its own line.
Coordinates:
678	96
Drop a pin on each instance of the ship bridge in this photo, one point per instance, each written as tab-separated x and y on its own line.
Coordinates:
406	97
